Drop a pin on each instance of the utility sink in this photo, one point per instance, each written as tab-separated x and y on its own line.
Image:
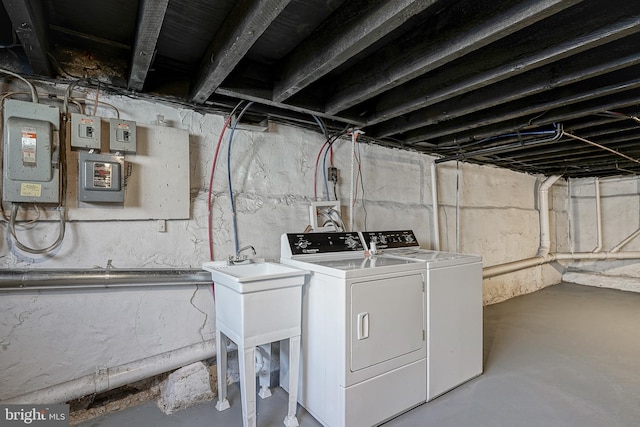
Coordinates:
254	276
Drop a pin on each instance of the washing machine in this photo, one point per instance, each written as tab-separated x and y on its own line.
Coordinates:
454	308
363	357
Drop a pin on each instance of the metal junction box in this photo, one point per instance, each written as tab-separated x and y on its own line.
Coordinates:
31	153
85	131
101	178
122	136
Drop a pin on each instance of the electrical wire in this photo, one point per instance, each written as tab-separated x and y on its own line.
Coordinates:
113	107
508	135
14	42
233	205
213	169
364	208
34	93
25	248
322	126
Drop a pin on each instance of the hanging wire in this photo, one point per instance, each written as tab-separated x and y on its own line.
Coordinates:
364	208
25	248
213	170
322	126
34	94
233	205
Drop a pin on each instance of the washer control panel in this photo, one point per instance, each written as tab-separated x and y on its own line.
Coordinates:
391	239
322	243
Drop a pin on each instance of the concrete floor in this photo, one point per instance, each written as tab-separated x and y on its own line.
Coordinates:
568	355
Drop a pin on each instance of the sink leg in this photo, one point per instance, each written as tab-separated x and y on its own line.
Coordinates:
294	368
247	361
265	373
221	351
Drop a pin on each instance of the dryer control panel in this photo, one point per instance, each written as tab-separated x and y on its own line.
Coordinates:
391	239
322	243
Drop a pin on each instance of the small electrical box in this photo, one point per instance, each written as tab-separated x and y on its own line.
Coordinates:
31	153
122	136
85	131
101	178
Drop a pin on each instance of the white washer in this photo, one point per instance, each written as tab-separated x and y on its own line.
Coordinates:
454	309
363	355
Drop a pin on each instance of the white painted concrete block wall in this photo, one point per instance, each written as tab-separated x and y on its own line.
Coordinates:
620	201
273	181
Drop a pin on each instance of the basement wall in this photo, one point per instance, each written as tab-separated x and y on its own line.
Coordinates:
620	202
51	336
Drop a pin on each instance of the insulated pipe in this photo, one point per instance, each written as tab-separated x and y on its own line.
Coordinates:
620	245
596	183
597	256
434	204
12	280
117	376
509	267
543	206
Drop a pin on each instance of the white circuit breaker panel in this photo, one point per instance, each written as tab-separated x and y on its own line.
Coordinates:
31	153
101	178
122	136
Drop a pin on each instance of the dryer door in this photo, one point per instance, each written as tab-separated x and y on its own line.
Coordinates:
387	318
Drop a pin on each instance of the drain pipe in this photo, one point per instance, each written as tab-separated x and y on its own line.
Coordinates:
434	204
596	183
543	256
108	379
543	206
620	245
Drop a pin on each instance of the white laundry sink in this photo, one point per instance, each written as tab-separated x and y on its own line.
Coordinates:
254	276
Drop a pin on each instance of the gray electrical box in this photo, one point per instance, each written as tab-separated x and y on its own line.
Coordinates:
101	178
31	153
85	131
122	136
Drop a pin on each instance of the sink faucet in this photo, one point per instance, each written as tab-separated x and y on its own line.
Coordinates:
241	258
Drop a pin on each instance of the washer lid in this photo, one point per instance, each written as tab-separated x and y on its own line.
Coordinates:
432	256
346	266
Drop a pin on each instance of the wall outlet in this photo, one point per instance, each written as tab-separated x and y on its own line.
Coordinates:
332	174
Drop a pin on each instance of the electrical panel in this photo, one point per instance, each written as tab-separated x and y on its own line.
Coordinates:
31	153
122	136
85	131
101	178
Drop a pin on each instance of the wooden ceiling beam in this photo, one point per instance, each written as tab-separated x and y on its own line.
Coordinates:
347	33
242	28
150	19
29	22
394	65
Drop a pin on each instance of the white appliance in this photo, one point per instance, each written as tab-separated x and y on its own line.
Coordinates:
454	308
363	355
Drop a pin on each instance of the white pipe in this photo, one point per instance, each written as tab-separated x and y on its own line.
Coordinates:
543	206
117	376
620	245
434	204
597	256
542	257
596	183
509	267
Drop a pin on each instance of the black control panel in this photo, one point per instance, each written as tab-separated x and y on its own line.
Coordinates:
391	239
322	243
